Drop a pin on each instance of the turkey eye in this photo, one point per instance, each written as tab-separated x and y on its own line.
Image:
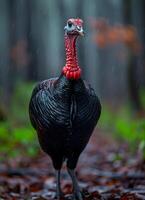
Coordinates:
69	24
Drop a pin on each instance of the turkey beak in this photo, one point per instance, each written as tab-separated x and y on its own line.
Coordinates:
80	31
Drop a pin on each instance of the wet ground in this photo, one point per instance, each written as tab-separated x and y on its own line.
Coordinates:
106	171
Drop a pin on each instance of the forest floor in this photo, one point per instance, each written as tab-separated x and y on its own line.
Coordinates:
106	171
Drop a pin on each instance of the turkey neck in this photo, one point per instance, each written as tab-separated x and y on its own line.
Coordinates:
69	82
70	46
71	70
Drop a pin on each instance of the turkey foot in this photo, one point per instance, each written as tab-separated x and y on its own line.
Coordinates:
77	196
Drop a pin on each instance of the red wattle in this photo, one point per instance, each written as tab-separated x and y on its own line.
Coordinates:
72	73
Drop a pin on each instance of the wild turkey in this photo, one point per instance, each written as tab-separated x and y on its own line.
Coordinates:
65	110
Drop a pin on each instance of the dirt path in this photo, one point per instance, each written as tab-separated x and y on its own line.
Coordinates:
105	172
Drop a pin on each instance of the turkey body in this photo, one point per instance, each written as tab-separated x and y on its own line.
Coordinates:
64	113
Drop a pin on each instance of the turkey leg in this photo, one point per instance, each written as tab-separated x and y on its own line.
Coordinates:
59	193
76	189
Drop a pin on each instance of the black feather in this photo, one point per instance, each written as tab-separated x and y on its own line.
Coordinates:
64	113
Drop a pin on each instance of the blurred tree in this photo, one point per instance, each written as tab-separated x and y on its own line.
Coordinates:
5	67
135	61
